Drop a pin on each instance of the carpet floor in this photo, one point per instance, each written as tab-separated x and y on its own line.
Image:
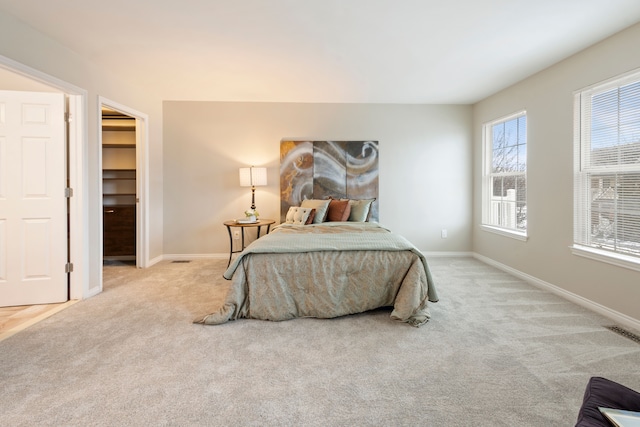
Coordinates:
497	352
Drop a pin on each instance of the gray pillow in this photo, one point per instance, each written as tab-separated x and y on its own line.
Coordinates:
360	209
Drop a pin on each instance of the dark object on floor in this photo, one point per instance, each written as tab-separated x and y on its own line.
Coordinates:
601	392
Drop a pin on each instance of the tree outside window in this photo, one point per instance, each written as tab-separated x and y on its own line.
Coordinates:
505	195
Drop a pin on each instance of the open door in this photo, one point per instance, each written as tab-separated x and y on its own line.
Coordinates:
33	204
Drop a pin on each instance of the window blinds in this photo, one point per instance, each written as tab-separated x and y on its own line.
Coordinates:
607	188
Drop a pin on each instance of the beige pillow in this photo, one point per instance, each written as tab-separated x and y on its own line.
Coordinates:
297	215
360	210
321	207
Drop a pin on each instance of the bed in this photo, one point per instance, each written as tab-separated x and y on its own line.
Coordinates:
327	270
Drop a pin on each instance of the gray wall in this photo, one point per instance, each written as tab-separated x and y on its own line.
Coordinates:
425	166
548	99
26	46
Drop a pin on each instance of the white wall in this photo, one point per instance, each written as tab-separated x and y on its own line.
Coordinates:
548	99
26	46
425	166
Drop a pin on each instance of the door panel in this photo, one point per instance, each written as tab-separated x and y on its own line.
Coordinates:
3	251
33	206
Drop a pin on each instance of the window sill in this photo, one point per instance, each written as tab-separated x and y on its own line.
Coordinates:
619	260
518	235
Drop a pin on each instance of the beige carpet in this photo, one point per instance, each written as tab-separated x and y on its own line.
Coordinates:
497	352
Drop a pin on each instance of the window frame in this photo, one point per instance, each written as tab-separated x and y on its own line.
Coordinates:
488	175
583	168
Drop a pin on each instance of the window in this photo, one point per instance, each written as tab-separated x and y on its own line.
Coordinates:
504	196
607	169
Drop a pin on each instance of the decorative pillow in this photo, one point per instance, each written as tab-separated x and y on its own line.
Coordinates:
339	210
297	215
321	207
601	392
360	210
312	215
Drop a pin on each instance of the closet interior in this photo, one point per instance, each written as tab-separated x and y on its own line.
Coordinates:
119	189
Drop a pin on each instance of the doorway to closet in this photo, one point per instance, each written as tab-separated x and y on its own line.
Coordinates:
119	188
123	142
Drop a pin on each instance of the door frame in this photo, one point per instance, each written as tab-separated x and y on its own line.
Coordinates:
77	170
142	179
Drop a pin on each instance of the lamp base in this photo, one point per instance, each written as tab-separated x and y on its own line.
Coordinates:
253	197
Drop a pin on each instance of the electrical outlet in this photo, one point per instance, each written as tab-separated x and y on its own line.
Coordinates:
236	234
443	233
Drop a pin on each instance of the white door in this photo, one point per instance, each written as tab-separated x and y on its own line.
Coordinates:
33	205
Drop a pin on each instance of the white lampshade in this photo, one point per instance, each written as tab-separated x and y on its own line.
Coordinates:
253	177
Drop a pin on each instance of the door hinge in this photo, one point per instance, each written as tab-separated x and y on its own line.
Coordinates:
68	192
68	268
68	117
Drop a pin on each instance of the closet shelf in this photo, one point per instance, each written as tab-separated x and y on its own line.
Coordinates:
118	145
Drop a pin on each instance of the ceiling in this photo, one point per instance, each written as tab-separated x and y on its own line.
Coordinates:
345	51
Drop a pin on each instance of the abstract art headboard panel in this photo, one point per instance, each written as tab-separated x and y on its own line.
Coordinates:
323	169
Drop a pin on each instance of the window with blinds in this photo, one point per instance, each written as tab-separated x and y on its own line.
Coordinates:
505	175
607	168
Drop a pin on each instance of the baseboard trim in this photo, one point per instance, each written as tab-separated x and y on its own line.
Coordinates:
155	260
607	312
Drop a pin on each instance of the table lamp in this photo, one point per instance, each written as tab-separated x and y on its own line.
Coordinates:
252	177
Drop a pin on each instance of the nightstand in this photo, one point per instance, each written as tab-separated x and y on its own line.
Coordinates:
258	224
